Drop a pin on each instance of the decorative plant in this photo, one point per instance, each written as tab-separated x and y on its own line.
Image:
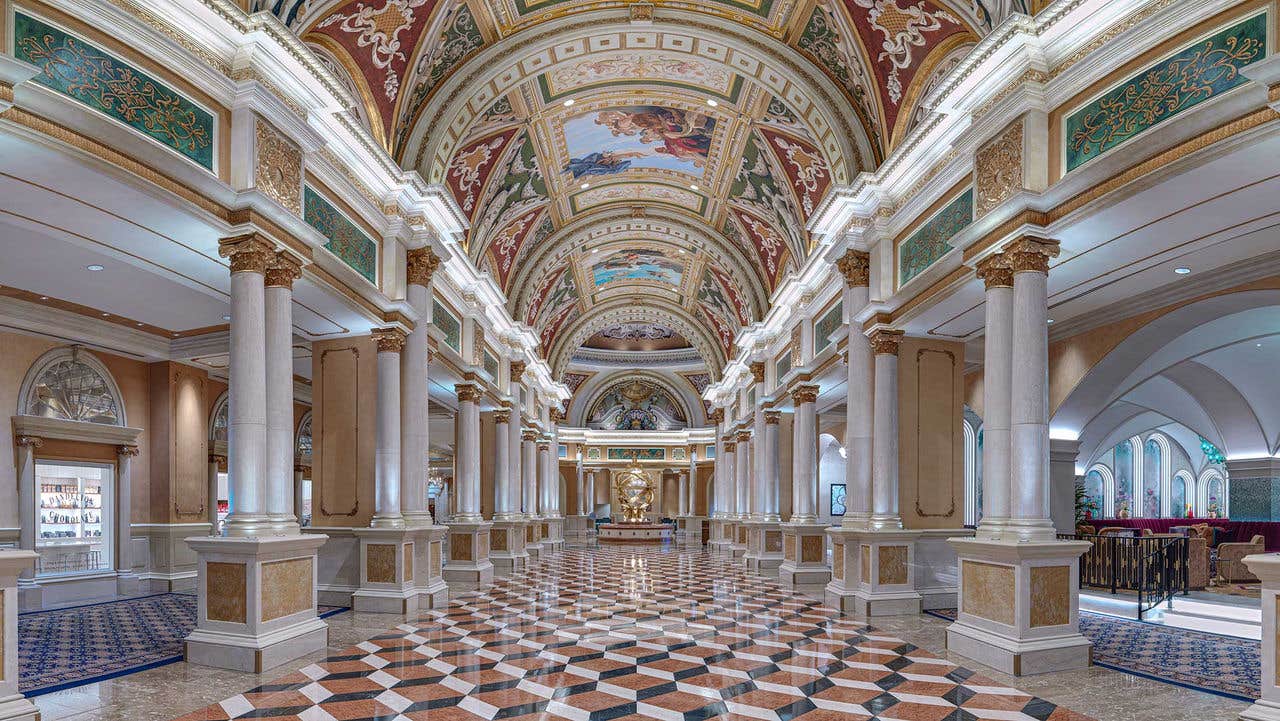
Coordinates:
1122	504
1086	507
1213	506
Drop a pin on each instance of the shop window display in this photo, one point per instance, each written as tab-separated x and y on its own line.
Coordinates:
75	517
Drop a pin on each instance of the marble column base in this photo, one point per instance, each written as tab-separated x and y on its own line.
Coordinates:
388	560
804	555
428	567
1019	608
506	547
552	534
1266	566
689	530
764	547
468	567
739	540
873	572
721	536
533	537
13	707
257	601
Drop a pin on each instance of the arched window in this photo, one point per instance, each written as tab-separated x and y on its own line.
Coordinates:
1151	464
73	385
303	447
1124	479
1181	494
218	424
1094	500
1213	492
972	473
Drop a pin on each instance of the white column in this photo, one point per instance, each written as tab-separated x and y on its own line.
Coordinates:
298	510
591	493
514	432
553	467
884	430
278	299
997	358
386	505
14	565
529	466
770	481
729	478
691	501
415	435
684	493
505	488
804	466
1029	400
581	492
215	462
124	509
855	266
247	424
468	480
742	482
28	514
544	479
758	488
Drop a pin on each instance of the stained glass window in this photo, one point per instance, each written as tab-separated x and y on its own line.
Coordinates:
73	390
837	499
1124	479
304	436
1178	497
1151	479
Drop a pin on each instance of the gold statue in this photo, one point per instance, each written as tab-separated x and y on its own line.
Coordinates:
635	494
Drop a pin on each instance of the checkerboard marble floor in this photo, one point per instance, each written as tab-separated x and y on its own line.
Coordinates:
634	633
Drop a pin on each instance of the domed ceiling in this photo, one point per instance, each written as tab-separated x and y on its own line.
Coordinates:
637	337
638	163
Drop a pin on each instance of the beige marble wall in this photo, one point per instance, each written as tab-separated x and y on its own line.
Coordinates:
287	587
989	591
408	561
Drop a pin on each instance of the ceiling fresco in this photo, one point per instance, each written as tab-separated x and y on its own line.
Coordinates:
664	156
637	337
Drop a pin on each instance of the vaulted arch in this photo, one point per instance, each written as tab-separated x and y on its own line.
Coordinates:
623	311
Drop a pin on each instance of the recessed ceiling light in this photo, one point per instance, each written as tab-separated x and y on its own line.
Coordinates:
595	250
584	186
1258	344
568	103
681	250
1048	320
104	315
175	334
94	267
1182	270
693	187
226	317
712	102
44	297
139	323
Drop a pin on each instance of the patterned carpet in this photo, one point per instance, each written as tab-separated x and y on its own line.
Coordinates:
71	647
634	634
1222	665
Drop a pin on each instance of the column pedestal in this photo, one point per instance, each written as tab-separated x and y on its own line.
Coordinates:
1019	605
873	572
552	534
533	538
764	547
389	558
13	706
738	541
804	555
1266	566
506	547
257	601
428	567
690	528
718	542
469	566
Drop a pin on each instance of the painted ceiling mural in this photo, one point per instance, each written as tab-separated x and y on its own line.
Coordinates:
549	120
636	404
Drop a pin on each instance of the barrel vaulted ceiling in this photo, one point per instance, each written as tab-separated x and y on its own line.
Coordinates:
635	163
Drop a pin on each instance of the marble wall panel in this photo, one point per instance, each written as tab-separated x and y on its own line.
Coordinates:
1050	595
380	563
288	587
225	589
989	591
893	564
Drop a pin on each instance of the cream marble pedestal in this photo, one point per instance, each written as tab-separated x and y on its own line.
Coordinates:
389	559
1266	566
873	572
552	534
257	601
690	530
1019	608
721	536
804	555
428	566
506	547
738	541
764	547
13	706
533	538
468	567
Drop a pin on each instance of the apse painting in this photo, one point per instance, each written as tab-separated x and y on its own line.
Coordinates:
640	265
612	141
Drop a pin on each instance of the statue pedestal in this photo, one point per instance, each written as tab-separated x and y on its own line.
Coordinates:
642	533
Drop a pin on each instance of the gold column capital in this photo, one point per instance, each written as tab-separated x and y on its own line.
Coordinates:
716	416
995	271
30	441
855	266
730	447
249	253
528	435
422	264
517	370
757	371
772	418
389	340
885	341
467	393
283	269
502	416
805	394
126	450
1031	255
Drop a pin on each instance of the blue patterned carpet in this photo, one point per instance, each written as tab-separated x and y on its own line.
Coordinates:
1222	665
71	647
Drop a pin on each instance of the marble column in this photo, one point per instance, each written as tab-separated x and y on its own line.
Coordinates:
256	585
299	512
415	435
1019	602
997	358
549	485
1266	566
529	467
507	535
215	465
591	494
13	705
804	541
29	592
386	505
884	440
859	410
468	566
281	448
729	483
766	554
683	486
743	485
127	582
715	512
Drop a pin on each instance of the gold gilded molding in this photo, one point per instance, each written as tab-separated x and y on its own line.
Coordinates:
421	264
716	416
855	266
997	169
757	371
730	447
388	340
248	253
277	167
995	271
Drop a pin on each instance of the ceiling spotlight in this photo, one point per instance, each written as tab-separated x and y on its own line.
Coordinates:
584	186
693	187
94	267
568	103
712	102
1182	270
595	250
139	323
226	317
104	315
44	297
1048	320
1258	345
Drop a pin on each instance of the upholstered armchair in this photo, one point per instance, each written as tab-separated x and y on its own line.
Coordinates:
1085	529
1202	530
1114	530
1230	567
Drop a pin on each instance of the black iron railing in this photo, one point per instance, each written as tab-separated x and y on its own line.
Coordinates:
1155	567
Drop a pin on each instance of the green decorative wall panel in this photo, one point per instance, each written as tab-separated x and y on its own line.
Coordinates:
448	324
1199	72
490	364
824	327
637	454
930	242
114	88
783	366
352	245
